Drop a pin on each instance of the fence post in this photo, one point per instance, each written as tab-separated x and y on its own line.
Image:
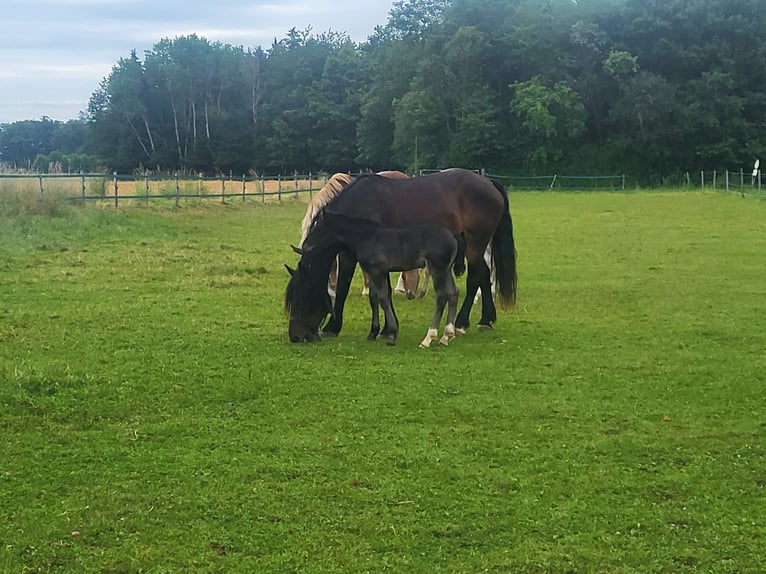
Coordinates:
759	180
702	178
741	178
555	175
82	186
243	188
146	188
40	178
727	179
263	189
223	188
279	187
311	188
623	182
199	184
714	174
116	195
178	188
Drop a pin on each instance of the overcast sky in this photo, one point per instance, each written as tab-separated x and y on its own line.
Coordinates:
54	53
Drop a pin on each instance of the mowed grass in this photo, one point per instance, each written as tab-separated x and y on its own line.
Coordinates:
614	421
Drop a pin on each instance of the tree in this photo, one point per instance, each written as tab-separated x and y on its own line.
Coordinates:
21	142
552	120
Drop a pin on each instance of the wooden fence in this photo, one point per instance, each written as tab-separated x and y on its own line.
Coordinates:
117	188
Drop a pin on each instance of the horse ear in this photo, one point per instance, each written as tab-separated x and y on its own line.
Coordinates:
289	270
298	250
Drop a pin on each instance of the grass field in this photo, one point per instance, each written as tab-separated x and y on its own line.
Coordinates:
155	418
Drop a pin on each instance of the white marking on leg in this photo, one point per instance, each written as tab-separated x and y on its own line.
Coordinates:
365	290
400	284
430	336
449	334
459	331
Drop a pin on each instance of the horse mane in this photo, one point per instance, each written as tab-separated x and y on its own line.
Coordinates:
334	186
393	174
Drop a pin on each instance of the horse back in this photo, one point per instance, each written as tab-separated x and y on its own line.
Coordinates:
456	199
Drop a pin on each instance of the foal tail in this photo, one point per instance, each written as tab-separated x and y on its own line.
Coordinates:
504	254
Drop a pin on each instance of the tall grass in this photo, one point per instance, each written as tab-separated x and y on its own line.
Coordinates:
23	197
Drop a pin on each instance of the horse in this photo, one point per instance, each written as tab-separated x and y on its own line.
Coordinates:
462	201
408	280
379	251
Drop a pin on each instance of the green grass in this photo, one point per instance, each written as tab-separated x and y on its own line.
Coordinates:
613	422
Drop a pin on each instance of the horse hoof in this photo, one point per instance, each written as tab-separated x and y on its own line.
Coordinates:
390	343
459	331
444	340
371	337
328	335
410	295
483	327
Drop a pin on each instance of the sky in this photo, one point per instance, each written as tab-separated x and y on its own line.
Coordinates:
54	53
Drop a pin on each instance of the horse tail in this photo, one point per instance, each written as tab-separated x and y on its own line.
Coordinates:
504	253
459	267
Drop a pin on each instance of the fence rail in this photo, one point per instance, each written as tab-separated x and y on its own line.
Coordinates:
117	188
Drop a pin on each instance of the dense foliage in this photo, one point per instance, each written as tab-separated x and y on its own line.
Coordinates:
646	87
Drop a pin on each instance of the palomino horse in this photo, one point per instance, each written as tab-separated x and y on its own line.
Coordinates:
381	250
408	280
460	200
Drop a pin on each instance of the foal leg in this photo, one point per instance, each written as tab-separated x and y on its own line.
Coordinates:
440	280
452	295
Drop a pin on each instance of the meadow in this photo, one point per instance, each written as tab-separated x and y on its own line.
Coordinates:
155	418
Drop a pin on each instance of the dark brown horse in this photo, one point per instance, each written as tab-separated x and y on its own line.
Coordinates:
460	200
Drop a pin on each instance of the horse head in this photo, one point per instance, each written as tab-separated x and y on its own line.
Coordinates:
307	301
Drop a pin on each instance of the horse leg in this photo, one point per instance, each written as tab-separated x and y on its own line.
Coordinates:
346	267
478	278
488	261
410	279
401	284
452	295
439	277
332	282
375	307
366	280
423	288
386	286
490	311
387	302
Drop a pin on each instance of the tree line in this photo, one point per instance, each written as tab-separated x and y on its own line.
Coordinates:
648	87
